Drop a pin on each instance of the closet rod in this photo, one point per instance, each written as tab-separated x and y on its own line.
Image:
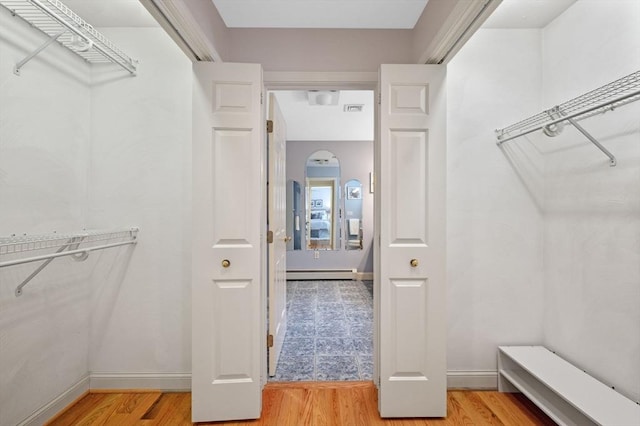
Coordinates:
602	105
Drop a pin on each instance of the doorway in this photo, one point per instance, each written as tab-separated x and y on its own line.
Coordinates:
329	321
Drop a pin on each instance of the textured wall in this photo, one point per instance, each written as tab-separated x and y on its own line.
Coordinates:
592	211
141	176
494	221
44	161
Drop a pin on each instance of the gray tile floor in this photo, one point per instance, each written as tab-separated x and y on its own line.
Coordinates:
329	331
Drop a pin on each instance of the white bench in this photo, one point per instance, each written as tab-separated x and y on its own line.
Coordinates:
564	392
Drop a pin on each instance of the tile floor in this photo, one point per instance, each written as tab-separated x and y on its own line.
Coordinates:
329	332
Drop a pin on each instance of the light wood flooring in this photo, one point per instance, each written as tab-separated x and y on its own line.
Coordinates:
298	404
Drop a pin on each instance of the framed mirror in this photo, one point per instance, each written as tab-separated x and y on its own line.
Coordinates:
353	215
322	201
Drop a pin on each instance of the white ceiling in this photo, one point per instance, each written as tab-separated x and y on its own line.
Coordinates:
327	122
112	13
320	13
526	13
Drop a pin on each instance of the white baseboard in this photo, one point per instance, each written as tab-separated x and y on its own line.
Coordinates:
58	404
456	379
474	379
321	274
364	276
158	381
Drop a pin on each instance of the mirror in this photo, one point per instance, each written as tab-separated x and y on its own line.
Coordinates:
323	201
353	215
294	215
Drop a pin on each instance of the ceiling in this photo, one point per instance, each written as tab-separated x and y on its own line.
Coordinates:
360	14
307	122
112	13
319	13
526	13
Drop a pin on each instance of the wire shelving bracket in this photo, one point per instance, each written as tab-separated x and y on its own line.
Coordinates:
77	245
606	98
61	24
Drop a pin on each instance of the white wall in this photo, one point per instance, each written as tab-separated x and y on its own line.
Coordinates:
356	161
543	241
92	147
44	161
494	222
141	176
592	211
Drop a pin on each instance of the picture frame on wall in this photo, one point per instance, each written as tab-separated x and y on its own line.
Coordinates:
354	193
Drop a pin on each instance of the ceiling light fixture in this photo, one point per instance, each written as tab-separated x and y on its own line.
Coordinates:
323	97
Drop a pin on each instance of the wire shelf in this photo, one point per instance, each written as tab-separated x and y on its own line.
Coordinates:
608	97
24	243
56	20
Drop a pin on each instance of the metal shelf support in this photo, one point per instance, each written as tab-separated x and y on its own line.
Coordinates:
16	69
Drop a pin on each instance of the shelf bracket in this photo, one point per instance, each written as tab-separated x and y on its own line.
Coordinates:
16	69
72	244
612	159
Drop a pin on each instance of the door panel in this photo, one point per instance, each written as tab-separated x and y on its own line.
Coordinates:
228	227
410	185
278	225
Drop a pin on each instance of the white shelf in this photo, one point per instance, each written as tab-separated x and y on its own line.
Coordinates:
567	394
61	24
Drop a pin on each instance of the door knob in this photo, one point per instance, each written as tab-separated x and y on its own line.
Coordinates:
287	239
226	263
414	263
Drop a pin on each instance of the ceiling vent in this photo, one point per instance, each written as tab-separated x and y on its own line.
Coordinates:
353	107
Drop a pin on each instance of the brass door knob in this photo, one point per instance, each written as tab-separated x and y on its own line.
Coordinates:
414	262
287	239
226	263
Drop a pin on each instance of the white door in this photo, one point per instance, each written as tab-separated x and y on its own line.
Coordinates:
228	337
278	226
410	185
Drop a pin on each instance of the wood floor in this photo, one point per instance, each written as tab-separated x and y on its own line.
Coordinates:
297	404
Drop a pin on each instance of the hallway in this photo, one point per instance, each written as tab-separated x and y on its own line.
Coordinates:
329	332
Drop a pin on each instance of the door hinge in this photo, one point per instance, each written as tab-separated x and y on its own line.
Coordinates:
261	98
270	340
269	237
269	126
379	98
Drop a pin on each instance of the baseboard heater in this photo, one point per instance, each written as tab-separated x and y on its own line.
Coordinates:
322	274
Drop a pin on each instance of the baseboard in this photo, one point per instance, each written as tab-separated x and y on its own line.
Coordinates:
456	379
58	404
364	276
321	274
474	379
157	381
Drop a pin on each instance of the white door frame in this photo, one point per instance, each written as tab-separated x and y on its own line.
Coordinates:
331	81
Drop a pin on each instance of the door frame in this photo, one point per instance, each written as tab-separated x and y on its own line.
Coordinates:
284	80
